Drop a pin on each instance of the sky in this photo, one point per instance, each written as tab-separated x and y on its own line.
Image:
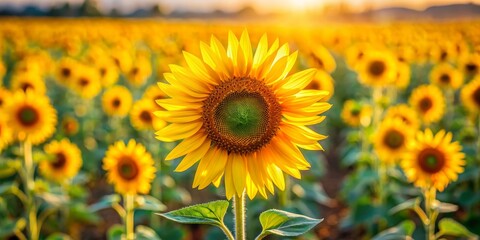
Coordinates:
262	6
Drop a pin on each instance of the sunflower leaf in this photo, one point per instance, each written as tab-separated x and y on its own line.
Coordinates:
211	213
145	233
283	223
402	231
105	202
451	227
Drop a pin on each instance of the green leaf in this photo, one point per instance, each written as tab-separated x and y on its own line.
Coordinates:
58	236
115	232
445	207
80	212
207	213
6	187
409	204
402	231
149	203
8	227
451	227
145	233
8	168
105	202
283	223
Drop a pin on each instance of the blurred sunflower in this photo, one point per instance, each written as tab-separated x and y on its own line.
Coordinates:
355	113
70	126
321	58
407	114
433	161
241	116
445	75
142	115
377	68
31	116
5	95
471	64
429	103
6	134
122	59
87	82
64	162
107	71
140	71
130	168
322	81
66	70
153	93
403	75
390	139
116	101
24	80
470	95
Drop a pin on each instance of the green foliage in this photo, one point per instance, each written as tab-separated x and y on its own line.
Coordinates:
211	213
451	227
283	223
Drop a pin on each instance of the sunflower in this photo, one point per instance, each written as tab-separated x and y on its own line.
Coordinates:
429	103
471	64
5	95
31	116
116	101
6	134
402	79
355	53
25	80
64	162
470	95
390	139
69	126
87	82
322	81
241	115
433	160
142	115
107	71
130	168
122	59
140	71
321	58
355	113
377	68
405	113
66	70
153	93
446	76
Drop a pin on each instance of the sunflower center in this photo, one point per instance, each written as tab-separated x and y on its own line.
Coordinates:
443	55
127	168
431	160
476	96
241	115
394	139
26	86
83	82
60	161
135	71
377	68
116	103
66	72
355	111
471	67
445	78
103	71
28	116
145	116
314	85
425	104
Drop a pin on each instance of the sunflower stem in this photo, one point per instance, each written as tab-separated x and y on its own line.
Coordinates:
33	230
239	209
432	214
129	216
285	195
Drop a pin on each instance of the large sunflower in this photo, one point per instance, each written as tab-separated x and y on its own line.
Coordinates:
241	115
390	139
64	162
446	76
429	103
470	96
31	116
116	101
130	168
433	161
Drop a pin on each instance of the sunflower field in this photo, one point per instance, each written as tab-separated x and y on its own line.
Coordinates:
162	129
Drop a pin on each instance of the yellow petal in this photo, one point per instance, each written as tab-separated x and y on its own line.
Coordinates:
187	145
177	131
239	170
193	157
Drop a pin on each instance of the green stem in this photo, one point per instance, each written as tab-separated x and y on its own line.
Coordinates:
239	209
285	195
33	230
226	231
432	214
128	217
